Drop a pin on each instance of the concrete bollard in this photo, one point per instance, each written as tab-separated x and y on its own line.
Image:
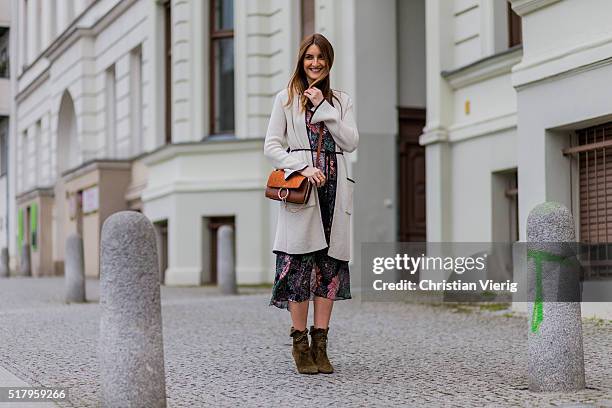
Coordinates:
74	270
226	269
131	343
24	262
556	358
4	263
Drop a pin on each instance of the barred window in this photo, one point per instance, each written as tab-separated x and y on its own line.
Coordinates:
593	151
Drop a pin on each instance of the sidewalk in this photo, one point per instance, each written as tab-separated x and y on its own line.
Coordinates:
8	379
235	351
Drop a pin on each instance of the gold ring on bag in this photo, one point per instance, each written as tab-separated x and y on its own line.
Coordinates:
283	198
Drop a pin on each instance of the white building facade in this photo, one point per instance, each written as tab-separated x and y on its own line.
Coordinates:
6	115
162	106
471	132
516	120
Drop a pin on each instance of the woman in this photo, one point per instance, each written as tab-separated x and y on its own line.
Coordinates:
312	242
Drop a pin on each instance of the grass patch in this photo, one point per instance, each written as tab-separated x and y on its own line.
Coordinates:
596	321
494	307
488	294
462	309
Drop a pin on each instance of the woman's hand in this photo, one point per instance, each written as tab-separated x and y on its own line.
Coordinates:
314	175
315	95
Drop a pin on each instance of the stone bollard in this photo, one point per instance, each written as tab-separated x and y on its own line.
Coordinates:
225	260
74	270
4	263
24	262
131	343
556	358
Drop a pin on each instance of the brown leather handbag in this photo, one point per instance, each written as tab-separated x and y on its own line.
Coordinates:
296	189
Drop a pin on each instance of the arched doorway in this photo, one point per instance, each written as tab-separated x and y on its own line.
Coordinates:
67	140
66	156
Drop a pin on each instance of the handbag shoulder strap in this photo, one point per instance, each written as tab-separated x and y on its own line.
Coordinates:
319	143
319	140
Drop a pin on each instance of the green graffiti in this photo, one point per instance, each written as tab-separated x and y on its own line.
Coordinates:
34	226
539	257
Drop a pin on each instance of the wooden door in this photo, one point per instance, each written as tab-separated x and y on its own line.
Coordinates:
411	167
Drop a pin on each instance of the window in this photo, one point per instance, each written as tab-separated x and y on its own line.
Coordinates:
591	149
36	153
4	128
136	100
168	70
4	52
111	115
308	17
24	160
222	66
515	35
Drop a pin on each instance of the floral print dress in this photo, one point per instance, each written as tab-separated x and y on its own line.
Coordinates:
301	277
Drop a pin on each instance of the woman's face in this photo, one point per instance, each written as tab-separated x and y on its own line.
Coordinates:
314	63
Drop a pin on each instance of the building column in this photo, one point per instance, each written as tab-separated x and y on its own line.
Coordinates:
65	14
337	22
241	68
45	152
23	36
262	64
438	26
493	26
80	6
36	153
30	146
184	246
136	102
47	24
438	187
544	173
252	247
200	87
33	30
123	139
153	57
189	67
181	72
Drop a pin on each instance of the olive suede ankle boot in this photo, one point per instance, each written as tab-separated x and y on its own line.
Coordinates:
301	352
318	349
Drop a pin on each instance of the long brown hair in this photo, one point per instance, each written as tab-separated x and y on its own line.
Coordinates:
299	81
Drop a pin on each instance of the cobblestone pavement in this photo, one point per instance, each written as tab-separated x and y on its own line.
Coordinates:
235	351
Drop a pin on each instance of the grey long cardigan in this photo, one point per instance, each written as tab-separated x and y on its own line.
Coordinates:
300	229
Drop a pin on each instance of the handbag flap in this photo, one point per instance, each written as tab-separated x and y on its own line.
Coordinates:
277	180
